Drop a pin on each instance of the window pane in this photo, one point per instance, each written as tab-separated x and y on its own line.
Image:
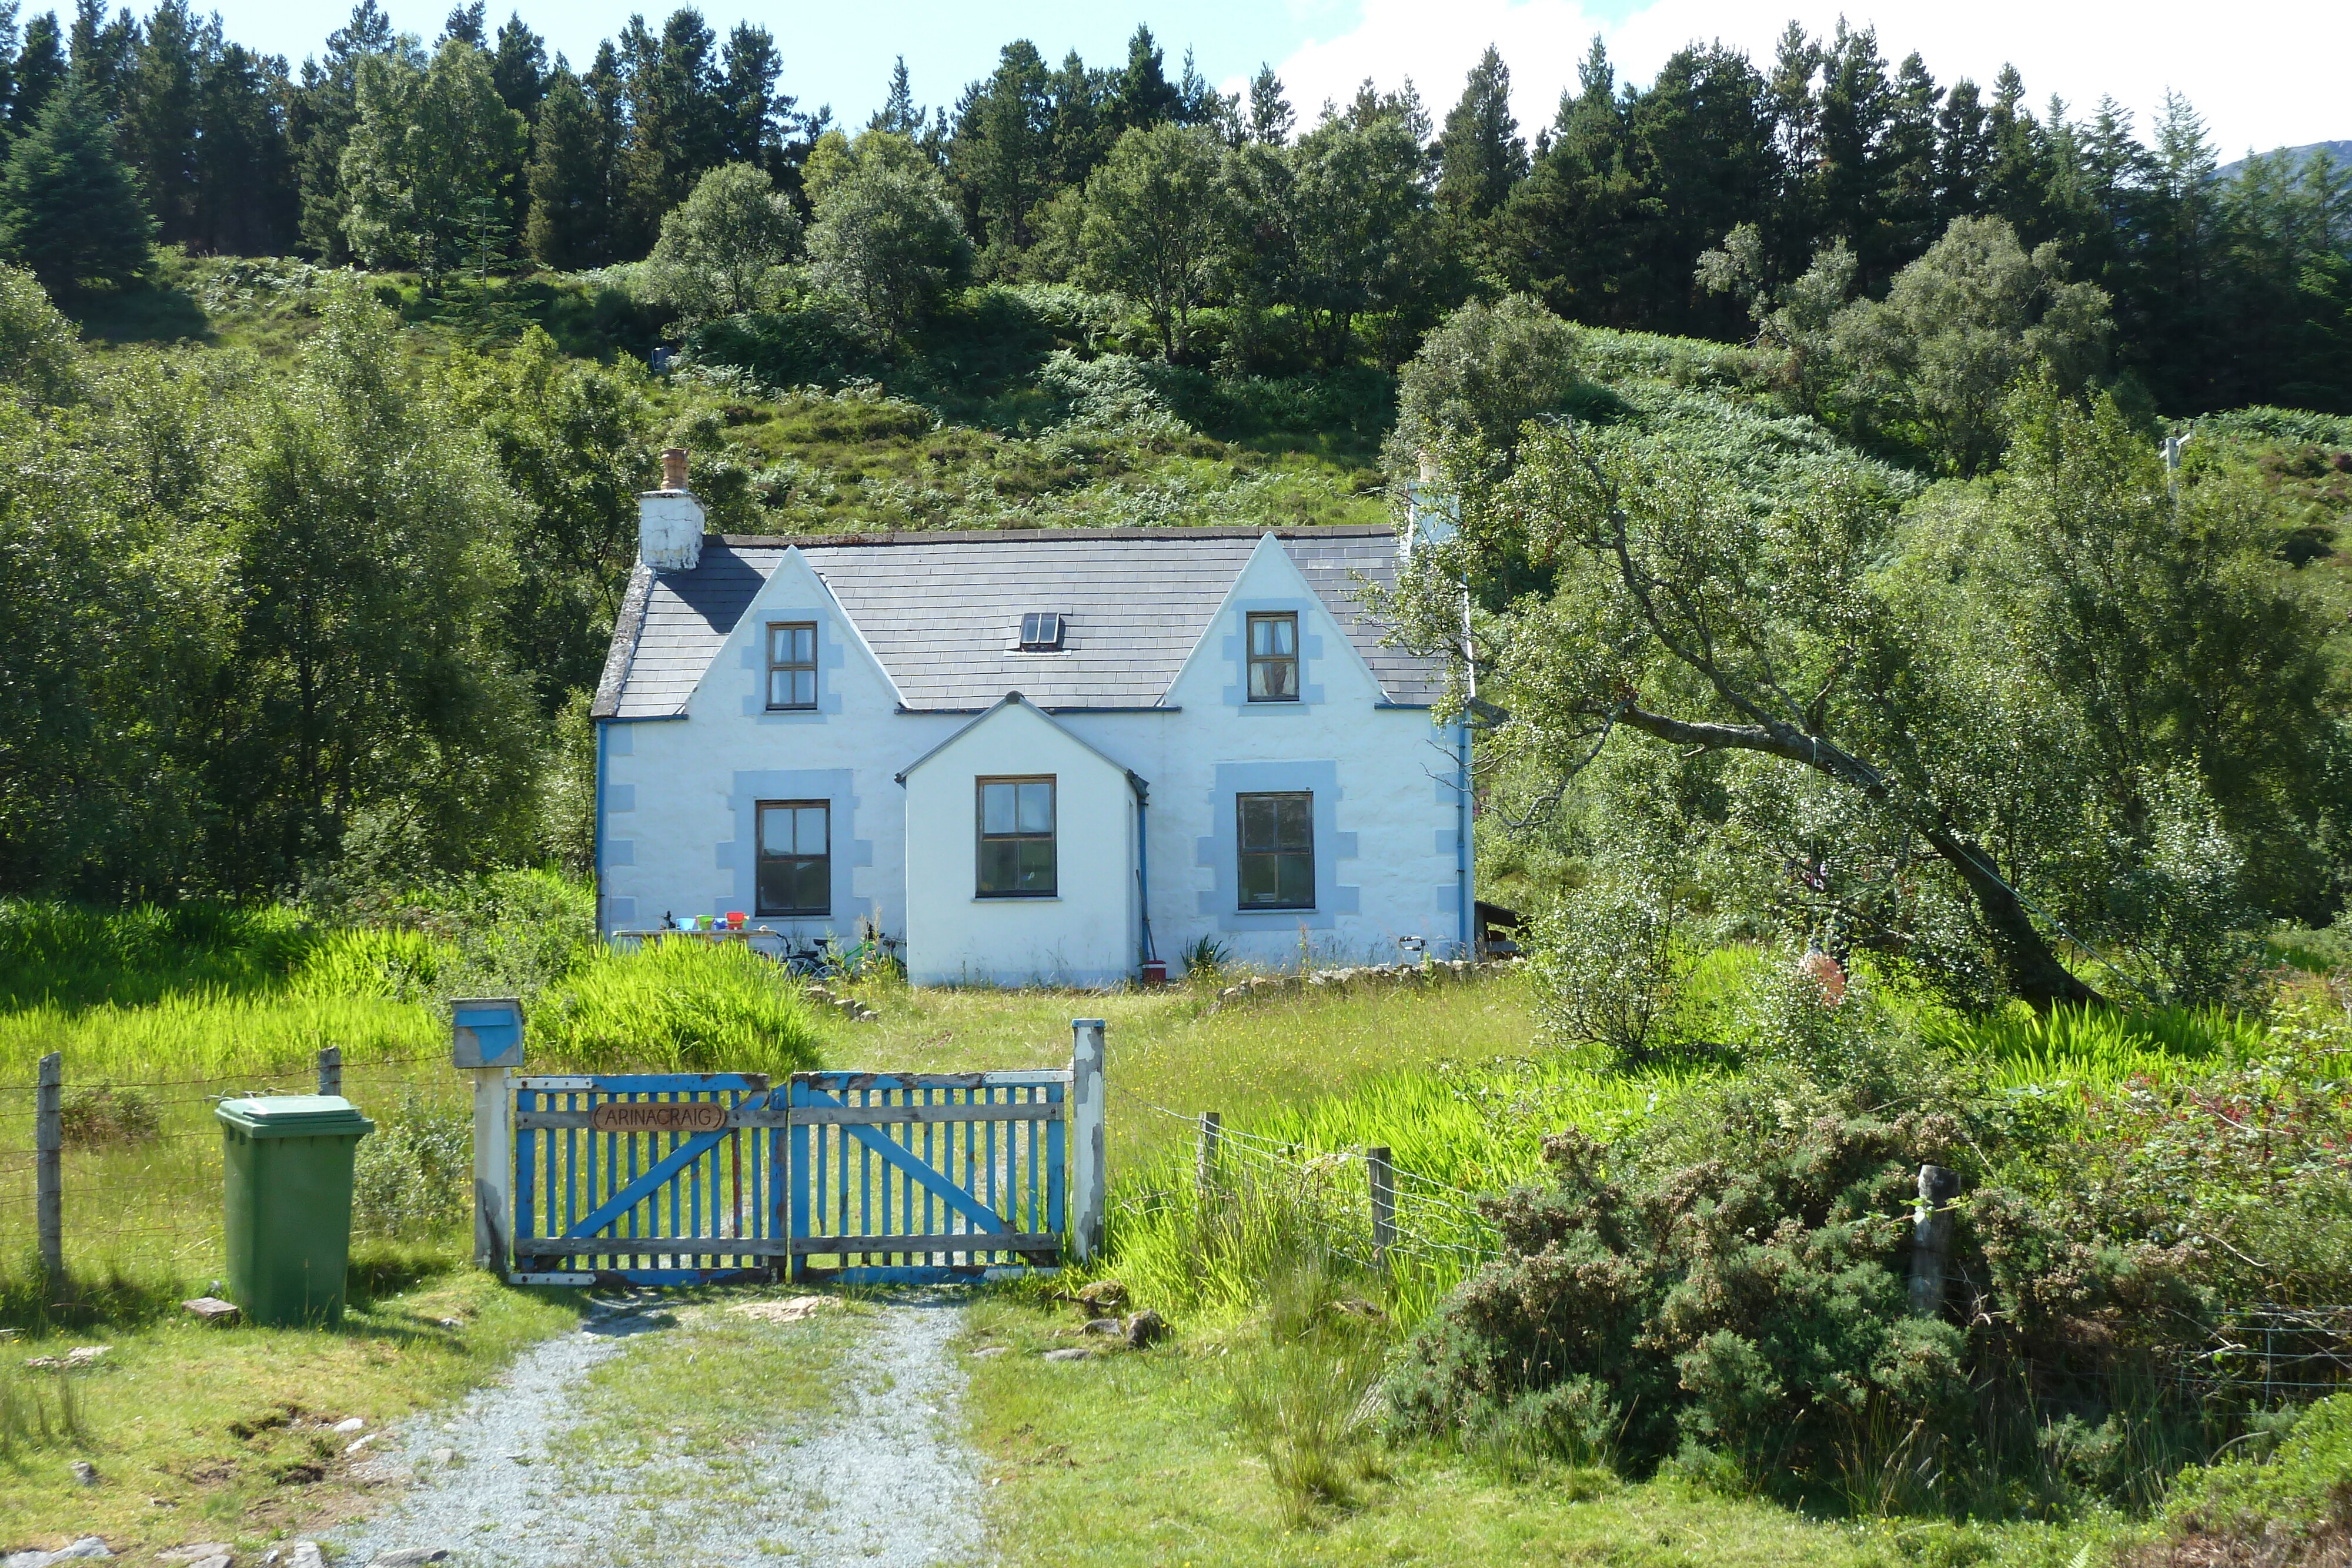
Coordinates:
775	831
1271	679
804	688
996	808
780	688
780	642
804	644
1259	881
809	830
1258	823
1285	636
810	879
1295	880
1036	863
1036	808
999	865
1293	821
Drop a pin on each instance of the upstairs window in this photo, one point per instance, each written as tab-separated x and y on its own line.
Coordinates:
1273	658
792	665
1041	631
795	873
1016	838
1277	850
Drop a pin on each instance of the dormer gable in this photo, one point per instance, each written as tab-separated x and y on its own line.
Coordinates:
793	655
1273	646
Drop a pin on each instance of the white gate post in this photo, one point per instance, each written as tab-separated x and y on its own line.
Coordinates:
493	1167
1088	1186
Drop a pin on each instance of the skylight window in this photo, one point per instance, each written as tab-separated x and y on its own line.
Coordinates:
1041	631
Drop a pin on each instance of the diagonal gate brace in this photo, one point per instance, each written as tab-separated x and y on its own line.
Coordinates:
920	1171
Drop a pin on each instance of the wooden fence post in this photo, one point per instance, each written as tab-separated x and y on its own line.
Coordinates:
330	1069
1931	1238
1382	1173
1088	1179
1212	1132
48	1139
493	1167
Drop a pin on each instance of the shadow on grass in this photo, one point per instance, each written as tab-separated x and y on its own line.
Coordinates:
111	1298
155	313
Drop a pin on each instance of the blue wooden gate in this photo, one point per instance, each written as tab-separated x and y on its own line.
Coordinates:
860	1177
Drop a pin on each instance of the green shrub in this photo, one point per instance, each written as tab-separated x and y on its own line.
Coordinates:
1730	1285
2291	1507
414	1175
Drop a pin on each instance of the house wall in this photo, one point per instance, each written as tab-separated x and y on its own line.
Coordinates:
1383	782
1088	934
677	796
677	801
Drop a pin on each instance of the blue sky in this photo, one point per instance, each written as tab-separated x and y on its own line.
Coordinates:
2264	74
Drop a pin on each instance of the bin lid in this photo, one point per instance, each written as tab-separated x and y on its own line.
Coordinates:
294	1117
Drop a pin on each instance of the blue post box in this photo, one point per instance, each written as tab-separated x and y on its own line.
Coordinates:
487	1031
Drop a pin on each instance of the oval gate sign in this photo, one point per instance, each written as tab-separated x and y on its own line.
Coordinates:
694	1116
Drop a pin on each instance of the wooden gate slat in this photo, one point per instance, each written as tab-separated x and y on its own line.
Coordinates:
771	1187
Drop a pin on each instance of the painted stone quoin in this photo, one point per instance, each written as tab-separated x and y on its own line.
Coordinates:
1036	755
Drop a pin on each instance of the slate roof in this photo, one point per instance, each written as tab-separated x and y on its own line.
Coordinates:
941	611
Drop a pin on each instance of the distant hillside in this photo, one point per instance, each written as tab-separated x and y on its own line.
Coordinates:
2339	150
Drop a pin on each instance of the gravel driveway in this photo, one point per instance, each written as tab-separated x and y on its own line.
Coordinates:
567	1461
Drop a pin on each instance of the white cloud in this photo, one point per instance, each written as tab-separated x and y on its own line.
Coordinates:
2262	75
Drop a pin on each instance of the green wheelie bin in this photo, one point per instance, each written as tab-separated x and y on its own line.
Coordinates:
286	1183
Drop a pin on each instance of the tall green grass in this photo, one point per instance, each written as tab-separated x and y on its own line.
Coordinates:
2095	1050
1291	1187
1296	1185
375	992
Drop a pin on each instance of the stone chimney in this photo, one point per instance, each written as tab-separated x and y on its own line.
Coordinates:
669	520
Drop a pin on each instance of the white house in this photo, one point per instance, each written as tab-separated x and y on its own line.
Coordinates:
1040	755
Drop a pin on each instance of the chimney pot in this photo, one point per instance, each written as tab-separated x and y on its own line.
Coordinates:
673	468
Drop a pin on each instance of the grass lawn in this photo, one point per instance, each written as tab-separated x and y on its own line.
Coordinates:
1137	1458
209	1433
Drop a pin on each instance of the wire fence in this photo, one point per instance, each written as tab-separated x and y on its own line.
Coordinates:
134	1163
1252	1201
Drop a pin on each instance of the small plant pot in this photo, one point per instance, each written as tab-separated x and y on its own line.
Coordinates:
1155	971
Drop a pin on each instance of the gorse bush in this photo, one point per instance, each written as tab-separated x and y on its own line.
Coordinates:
105	1114
1729	1285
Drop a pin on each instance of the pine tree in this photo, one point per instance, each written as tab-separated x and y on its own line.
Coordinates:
899	114
323	112
676	129
1143	95
10	40
156	129
1481	155
69	209
245	202
469	23
753	116
40	69
519	67
1077	100
572	170
1271	118
1963	153
102	50
1002	156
